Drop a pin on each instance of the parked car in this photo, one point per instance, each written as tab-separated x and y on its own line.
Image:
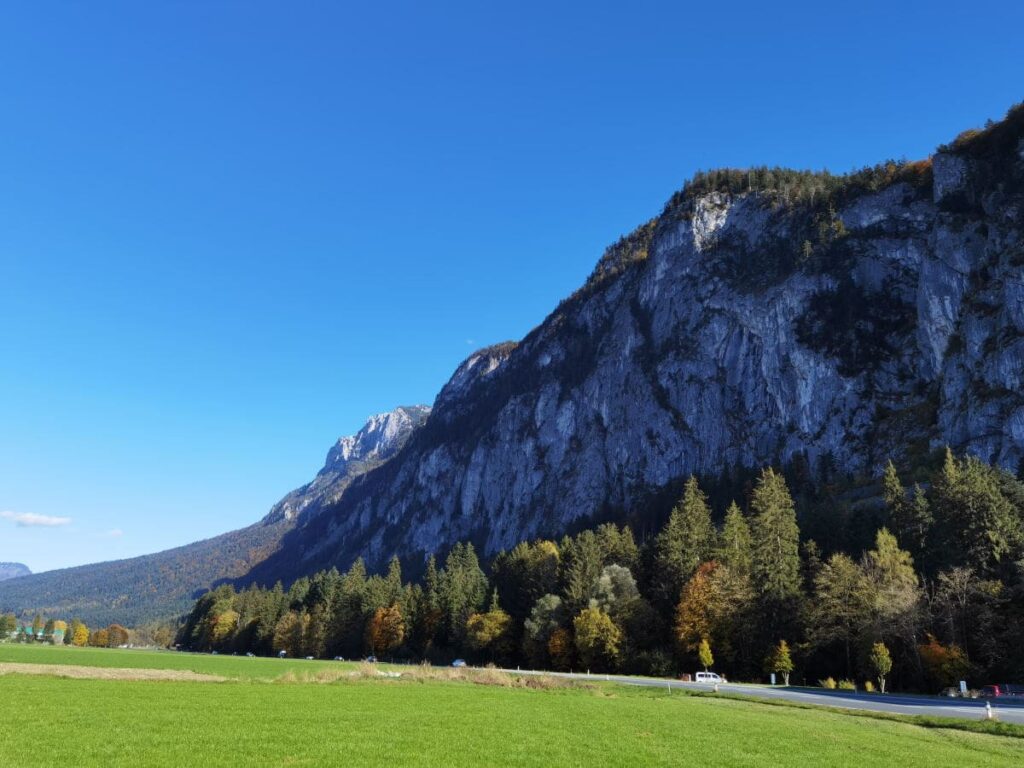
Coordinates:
992	692
950	692
339	658
708	677
309	658
250	654
371	659
1011	689
459	663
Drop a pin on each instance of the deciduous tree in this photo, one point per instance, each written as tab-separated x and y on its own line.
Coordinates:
779	661
705	655
386	629
598	640
881	663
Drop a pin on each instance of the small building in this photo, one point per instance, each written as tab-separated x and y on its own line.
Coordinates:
39	637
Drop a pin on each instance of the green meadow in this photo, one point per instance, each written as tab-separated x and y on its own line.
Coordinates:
277	712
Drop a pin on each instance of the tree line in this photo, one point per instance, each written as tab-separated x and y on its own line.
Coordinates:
77	633
937	595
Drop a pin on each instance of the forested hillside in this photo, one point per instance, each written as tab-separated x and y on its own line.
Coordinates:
934	594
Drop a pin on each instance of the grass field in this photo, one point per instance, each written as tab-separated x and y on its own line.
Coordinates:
249	720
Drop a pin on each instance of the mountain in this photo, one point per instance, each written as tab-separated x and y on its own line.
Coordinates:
763	316
13	571
165	584
378	440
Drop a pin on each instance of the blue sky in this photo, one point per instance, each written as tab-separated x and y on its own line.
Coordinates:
229	232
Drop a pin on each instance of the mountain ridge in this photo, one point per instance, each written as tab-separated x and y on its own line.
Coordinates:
763	316
164	584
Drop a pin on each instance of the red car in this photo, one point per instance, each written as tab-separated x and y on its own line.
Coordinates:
994	691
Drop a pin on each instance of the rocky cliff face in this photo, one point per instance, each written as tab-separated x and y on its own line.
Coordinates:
748	323
13	571
379	439
166	583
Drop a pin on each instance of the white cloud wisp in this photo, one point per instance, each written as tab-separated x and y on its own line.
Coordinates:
32	520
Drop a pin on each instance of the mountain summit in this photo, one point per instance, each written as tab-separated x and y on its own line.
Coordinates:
379	439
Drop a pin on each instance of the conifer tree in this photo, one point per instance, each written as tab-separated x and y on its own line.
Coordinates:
776	539
735	546
978	526
687	540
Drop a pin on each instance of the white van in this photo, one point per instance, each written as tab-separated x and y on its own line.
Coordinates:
708	677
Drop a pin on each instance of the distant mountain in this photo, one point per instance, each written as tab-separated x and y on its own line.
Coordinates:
165	584
13	571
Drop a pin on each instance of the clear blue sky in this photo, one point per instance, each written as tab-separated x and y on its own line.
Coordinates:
229	232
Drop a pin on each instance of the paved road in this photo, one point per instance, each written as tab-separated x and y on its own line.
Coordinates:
902	704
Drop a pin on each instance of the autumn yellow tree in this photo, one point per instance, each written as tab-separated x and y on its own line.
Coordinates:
289	631
598	640
694	613
116	636
100	639
79	634
224	624
490	632
386	629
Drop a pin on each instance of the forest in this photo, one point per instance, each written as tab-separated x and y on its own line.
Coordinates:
935	596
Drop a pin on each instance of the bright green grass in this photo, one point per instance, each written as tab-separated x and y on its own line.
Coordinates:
45	720
225	666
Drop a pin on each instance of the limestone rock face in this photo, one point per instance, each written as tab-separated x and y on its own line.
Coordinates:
735	329
379	439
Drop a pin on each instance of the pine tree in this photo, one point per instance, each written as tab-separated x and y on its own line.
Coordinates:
911	518
581	566
393	581
775	571
735	545
776	556
895	497
977	525
687	540
463	590
347	626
